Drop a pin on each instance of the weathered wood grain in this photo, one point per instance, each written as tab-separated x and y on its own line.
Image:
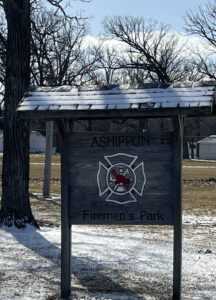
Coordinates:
87	206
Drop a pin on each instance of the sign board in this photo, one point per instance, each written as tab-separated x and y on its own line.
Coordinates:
121	178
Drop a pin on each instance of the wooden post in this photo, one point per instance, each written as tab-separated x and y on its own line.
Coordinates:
48	158
65	225
177	255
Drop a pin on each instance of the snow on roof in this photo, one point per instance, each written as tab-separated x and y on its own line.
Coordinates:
208	140
70	99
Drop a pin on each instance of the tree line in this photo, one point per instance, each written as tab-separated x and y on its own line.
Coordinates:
42	44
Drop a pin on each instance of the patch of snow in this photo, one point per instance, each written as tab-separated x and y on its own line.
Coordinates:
109	262
201	220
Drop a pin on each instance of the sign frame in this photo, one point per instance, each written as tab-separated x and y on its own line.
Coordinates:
64	128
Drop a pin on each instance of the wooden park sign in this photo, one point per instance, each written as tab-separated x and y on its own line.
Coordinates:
124	176
122	179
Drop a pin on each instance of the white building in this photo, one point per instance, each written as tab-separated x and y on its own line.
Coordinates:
37	142
207	148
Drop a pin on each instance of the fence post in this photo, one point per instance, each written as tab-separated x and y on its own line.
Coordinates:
48	158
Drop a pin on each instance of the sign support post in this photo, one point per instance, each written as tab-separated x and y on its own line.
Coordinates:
65	228
177	255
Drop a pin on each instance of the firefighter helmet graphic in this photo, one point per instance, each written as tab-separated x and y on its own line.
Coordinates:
120	179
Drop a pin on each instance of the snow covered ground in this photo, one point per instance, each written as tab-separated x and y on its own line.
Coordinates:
109	263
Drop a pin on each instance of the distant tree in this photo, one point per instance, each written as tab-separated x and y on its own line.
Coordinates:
152	47
107	65
131	74
202	23
133	77
58	57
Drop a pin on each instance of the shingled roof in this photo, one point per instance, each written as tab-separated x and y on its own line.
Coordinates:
54	102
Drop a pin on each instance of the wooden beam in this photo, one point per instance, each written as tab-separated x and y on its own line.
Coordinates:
65	223
177	249
48	158
114	113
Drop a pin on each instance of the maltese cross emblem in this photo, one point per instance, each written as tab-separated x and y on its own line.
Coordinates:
120	178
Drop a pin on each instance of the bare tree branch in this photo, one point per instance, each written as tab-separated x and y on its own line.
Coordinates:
151	47
202	23
58	57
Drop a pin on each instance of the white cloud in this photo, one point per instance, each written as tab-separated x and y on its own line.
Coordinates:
189	44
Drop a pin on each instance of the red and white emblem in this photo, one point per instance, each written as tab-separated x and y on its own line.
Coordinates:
120	179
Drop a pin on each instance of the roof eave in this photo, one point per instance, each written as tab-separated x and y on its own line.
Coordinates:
116	114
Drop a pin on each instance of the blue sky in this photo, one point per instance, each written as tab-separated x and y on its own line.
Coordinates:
166	11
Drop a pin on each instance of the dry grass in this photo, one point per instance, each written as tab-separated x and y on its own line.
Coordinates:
36	173
39	158
199	189
199	200
190	174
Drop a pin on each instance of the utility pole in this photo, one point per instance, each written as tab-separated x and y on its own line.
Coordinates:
48	158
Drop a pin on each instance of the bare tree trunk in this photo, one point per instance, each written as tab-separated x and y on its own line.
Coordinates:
15	176
48	158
